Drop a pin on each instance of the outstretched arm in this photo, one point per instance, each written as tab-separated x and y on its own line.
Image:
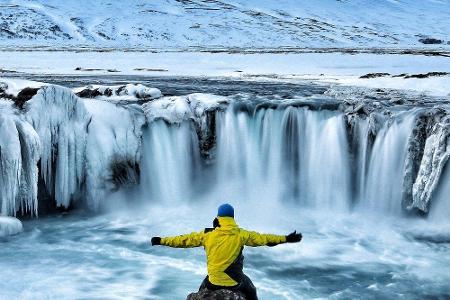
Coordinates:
255	239
194	239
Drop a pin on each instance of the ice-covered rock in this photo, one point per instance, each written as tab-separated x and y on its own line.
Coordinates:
9	226
113	148
435	156
198	108
415	151
216	295
13	87
19	154
89	147
128	92
177	109
61	121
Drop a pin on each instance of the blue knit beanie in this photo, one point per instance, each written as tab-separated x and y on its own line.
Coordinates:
225	210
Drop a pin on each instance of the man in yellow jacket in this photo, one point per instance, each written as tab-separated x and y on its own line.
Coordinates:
223	246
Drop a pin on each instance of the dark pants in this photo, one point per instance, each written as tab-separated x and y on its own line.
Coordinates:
246	287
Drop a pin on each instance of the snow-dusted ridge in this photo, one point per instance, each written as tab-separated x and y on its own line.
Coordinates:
224	24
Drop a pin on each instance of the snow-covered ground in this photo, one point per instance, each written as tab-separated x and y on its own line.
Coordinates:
223	23
341	68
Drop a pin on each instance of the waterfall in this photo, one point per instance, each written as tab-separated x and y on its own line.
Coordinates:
384	179
291	154
308	152
171	158
283	154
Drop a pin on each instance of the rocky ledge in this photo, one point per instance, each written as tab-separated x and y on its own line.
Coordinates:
216	295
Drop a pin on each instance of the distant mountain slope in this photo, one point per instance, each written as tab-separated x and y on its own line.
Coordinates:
225	23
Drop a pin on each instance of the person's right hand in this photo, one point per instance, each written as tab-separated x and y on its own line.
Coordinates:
294	237
156	240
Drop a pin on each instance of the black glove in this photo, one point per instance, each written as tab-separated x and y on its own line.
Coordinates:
294	237
156	240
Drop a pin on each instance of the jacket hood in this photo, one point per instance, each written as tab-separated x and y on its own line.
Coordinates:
227	223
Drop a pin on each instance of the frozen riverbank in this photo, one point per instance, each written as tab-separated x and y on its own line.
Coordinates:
335	68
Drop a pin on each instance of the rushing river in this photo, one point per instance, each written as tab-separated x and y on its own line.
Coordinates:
342	256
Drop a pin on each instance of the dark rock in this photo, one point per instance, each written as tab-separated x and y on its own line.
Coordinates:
124	173
374	75
88	69
427	75
23	96
430	41
216	295
151	69
400	75
89	93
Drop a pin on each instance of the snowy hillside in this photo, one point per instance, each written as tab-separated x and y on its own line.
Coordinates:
175	24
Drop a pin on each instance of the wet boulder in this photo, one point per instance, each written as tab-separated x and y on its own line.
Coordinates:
216	295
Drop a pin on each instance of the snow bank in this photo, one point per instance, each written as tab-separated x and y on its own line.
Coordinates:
129	92
19	155
9	226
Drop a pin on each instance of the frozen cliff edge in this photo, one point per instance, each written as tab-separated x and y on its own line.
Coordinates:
85	147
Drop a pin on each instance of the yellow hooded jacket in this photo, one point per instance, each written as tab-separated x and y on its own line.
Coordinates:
223	247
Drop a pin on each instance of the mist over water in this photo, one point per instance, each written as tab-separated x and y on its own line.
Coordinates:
283	168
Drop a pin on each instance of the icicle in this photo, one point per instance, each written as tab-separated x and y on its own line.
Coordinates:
19	153
60	119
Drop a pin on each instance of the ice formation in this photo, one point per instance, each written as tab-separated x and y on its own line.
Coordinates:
435	157
9	226
84	147
19	154
113	148
61	121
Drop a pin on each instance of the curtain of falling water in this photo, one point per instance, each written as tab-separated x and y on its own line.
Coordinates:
383	183
170	162
286	154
